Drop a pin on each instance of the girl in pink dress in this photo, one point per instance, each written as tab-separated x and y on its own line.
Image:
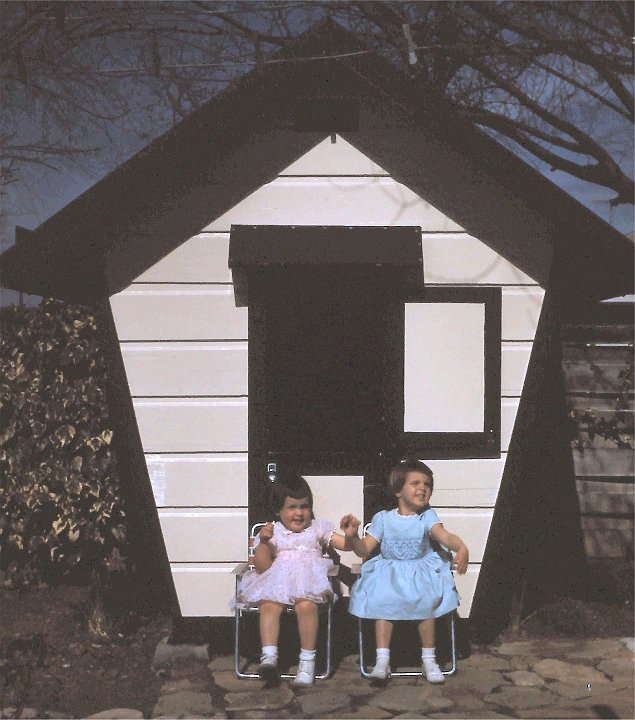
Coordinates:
290	570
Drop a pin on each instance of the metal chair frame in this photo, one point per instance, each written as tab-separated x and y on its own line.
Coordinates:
239	571
403	673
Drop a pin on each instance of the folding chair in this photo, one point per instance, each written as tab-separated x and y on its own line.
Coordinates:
243	568
356	569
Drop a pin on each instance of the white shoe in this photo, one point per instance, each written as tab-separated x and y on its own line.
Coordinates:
268	670
380	672
306	674
433	672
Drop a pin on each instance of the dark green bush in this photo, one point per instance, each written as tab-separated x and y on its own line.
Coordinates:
59	491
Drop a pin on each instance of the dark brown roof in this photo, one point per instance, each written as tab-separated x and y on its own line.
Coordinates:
247	135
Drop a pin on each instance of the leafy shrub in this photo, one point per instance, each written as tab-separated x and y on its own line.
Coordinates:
59	494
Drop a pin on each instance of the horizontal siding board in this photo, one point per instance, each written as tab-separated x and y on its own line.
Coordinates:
471	525
192	425
605	498
514	364
205	535
199	480
600	443
201	259
334	158
509	410
521	311
186	368
466	585
607	463
461	259
470	483
204	589
335	201
178	312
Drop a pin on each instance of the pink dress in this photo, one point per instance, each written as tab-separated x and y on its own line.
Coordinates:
298	572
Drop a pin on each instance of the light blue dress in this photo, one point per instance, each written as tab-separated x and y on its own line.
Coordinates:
408	580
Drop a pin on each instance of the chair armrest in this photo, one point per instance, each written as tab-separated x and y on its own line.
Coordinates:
240	569
333	571
356	568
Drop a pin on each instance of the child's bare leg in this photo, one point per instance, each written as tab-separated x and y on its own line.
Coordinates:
270	622
307	613
383	633
427	633
431	670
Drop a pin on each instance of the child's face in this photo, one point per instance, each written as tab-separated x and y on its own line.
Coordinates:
295	515
415	493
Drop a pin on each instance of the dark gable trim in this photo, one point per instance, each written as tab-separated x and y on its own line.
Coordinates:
245	136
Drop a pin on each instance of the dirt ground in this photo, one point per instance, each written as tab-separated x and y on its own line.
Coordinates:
75	675
72	672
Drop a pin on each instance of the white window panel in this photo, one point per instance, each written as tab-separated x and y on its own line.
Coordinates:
444	373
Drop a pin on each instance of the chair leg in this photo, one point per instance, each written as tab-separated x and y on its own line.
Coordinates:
360	640
329	652
452	670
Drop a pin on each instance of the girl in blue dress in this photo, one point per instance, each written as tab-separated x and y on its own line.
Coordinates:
409	579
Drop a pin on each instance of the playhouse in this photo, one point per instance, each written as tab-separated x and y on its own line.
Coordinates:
324	267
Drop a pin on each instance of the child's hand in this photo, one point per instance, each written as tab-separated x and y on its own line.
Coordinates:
461	560
266	533
350	525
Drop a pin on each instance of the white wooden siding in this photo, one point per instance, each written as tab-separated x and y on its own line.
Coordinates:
178	312
205	480
472	525
184	345
466	482
186	368
521	310
201	259
466	585
461	259
205	535
334	201
514	364
192	424
509	409
338	158
204	589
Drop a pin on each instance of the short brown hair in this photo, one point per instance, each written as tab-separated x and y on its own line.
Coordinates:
399	472
290	484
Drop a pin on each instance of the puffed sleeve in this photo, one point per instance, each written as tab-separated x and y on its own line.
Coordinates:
429	518
325	530
376	528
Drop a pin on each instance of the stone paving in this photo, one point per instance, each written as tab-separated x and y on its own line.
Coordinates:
525	679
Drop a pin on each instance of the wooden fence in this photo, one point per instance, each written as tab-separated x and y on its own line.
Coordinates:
597	359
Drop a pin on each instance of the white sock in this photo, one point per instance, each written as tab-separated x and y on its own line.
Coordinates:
428	655
383	657
307	654
269	649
